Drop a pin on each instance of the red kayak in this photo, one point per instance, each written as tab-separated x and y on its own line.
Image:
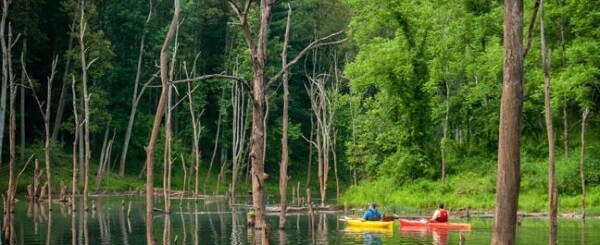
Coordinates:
433	225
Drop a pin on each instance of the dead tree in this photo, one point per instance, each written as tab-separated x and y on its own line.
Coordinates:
75	147
61	98
105	160
582	161
322	109
552	190
216	143
5	73
12	185
156	125
136	97
283	165
257	47
44	108
238	106
86	104
196	127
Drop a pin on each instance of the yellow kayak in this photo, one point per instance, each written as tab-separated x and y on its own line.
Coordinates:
370	224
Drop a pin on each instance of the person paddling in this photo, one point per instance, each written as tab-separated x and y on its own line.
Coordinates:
440	215
372	214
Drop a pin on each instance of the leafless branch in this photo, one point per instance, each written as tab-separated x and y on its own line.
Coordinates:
315	44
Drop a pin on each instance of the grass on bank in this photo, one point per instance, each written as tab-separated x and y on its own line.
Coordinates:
473	186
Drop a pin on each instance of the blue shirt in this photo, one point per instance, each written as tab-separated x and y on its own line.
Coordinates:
372	214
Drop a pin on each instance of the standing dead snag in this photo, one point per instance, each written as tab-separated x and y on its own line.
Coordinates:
283	177
552	190
582	161
75	140
46	116
196	127
86	104
238	105
156	125
5	72
12	185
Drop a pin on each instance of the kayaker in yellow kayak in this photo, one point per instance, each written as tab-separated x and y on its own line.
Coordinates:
372	214
440	215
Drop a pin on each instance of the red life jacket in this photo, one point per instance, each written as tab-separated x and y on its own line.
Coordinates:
443	217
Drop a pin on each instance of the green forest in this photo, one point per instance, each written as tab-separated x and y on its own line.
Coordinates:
394	102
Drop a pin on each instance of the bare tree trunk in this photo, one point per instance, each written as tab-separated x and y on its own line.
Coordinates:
102	158
561	27
335	166
156	125
167	154
216	144
239	132
565	128
445	137
75	140
509	145
582	161
310	150
135	100
283	176
46	116
12	187
196	137
5	75
22	108
86	106
552	191
61	100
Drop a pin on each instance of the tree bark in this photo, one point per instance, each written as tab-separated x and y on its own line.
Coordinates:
508	175
582	161
552	190
156	125
283	177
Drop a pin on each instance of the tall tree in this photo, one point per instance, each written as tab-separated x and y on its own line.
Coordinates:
86	103
283	165
552	190
157	121
509	137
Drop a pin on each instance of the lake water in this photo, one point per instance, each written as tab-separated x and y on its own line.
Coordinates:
213	221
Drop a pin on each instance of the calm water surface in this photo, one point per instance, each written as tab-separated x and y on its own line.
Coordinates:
213	221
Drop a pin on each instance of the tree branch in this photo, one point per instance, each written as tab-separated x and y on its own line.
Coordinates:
531	26
214	76
315	44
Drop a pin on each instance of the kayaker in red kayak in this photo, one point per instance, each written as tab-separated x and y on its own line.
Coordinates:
372	214
440	215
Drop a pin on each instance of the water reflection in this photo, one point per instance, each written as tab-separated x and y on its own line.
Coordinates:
197	222
437	236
